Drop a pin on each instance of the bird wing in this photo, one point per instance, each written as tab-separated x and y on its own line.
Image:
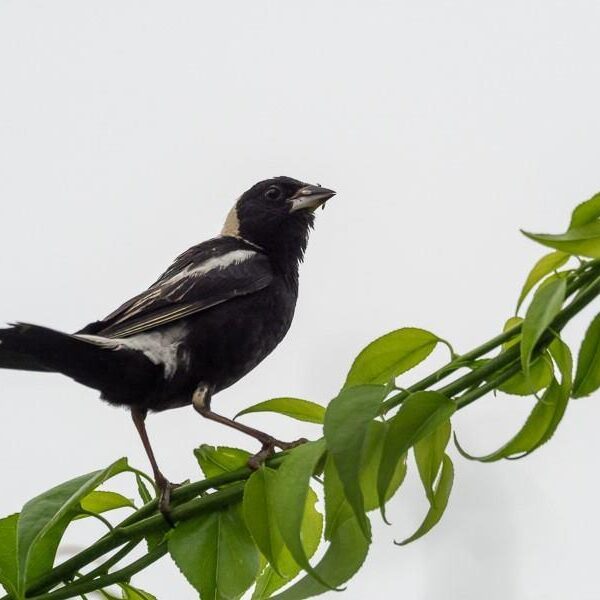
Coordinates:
206	275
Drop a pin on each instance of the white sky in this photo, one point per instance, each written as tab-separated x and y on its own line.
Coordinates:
128	128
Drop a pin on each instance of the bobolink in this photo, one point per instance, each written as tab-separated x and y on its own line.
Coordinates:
214	315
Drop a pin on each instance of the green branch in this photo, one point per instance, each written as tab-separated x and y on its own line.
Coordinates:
422	423
132	530
576	282
186	505
82	587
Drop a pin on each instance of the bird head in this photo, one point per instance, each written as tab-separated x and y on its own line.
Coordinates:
277	214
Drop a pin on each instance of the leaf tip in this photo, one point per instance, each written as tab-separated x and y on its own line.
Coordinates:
383	514
461	450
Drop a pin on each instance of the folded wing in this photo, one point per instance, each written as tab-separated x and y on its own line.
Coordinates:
206	275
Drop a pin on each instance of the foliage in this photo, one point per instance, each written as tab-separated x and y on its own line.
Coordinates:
237	529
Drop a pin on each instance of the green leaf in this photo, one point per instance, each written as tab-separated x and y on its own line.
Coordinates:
44	519
291	489
347	422
100	501
337	508
583	240
142	489
132	593
543	267
302	410
312	529
429	453
8	554
511	323
545	305
540	376
391	355
440	501
154	538
260	515
545	416
586	212
108	596
561	354
541	371
587	376
420	414
342	559
369	470
216	554
222	459
530	435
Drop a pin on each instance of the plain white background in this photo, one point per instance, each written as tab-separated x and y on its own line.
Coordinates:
127	129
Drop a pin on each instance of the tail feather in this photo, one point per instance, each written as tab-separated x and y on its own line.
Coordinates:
34	348
13	351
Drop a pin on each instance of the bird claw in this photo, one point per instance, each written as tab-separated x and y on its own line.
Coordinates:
268	449
290	445
165	487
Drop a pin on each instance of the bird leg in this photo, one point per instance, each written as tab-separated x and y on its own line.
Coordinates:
201	402
165	487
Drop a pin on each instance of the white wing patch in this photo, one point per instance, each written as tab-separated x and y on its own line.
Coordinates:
161	346
218	262
174	283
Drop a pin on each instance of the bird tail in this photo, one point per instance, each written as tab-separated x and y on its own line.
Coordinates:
108	369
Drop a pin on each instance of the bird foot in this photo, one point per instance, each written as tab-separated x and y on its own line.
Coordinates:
268	449
290	445
165	487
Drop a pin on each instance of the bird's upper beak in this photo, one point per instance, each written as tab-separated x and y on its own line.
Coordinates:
310	197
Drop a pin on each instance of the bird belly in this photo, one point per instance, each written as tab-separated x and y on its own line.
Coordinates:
227	342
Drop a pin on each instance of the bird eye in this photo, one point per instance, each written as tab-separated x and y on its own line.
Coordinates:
273	193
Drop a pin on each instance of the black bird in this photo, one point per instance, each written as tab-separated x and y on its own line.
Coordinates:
214	315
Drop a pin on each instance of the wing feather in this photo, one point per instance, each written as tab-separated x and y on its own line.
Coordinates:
207	275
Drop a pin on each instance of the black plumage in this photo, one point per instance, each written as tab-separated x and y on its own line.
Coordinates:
214	315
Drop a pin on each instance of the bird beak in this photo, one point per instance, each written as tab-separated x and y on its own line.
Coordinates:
310	197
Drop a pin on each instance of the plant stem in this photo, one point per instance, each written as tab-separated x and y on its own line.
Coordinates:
135	531
113	560
581	278
186	504
585	296
483	373
81	587
192	508
144	476
469	397
191	490
99	517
